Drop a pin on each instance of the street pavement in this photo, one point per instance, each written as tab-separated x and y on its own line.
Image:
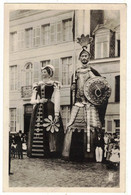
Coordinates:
35	172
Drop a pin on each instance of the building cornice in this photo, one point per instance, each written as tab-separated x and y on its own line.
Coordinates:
106	60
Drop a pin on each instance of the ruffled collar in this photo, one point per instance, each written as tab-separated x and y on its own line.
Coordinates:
49	82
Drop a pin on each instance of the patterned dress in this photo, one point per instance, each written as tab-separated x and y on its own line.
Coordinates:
45	137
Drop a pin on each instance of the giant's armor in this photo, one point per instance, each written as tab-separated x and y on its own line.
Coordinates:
89	100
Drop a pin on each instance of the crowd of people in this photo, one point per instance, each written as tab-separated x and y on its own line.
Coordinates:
18	145
107	148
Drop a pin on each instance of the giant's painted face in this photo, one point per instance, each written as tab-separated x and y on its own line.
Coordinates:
45	74
84	58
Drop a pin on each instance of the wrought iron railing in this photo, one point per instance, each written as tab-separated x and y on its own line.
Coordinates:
26	91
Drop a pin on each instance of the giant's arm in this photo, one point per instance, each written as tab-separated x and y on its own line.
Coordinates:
35	97
73	89
57	98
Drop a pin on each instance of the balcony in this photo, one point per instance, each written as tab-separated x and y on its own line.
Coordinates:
26	91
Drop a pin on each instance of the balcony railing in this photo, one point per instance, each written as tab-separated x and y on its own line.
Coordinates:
26	91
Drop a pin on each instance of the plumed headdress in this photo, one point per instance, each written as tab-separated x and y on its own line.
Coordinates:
84	41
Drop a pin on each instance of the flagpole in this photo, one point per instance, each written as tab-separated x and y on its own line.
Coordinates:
74	55
74	37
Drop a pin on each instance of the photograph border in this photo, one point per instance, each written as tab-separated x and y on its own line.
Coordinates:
123	28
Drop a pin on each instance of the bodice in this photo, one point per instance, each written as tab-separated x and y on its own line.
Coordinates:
45	90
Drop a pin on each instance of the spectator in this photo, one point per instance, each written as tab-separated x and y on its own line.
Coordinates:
10	141
19	141
99	143
106	142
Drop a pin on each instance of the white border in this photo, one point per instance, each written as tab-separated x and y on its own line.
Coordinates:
128	177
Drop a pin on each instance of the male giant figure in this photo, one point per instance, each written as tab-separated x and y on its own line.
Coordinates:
86	118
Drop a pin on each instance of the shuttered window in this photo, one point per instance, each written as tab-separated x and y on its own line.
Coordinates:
21	37
67	30
13	78
36	36
117	126
53	33
28	38
102	47
55	63
28	74
12	119
59	31
44	63
109	126
67	70
45	34
13	41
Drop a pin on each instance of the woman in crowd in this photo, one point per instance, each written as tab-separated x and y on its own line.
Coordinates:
45	137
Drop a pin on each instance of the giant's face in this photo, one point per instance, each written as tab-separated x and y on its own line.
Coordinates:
45	74
84	58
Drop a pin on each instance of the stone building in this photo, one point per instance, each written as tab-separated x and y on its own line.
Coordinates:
40	37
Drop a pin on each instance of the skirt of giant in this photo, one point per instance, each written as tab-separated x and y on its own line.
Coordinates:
81	132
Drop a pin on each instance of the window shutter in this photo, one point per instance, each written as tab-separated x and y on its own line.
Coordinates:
19	77
109	126
16	77
105	50
22	77
19	45
59	32
38	36
53	33
55	63
34	37
18	115
36	72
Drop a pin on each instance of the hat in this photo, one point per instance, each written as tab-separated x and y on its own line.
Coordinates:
52	69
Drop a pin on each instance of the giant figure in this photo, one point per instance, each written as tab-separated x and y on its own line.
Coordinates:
45	138
89	96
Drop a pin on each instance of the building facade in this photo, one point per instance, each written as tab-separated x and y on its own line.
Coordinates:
40	37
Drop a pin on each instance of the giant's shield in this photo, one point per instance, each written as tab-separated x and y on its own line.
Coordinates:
97	90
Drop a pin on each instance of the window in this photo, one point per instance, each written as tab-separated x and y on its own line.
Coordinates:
12	119
66	70
117	89
65	112
28	38
67	30
21	39
118	48
117	126
13	78
45	34
36	36
28	73
44	63
102	47
109	126
13	41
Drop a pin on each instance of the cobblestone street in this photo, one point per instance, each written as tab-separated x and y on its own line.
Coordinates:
35	172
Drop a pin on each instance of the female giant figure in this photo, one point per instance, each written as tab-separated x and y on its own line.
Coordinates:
46	131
